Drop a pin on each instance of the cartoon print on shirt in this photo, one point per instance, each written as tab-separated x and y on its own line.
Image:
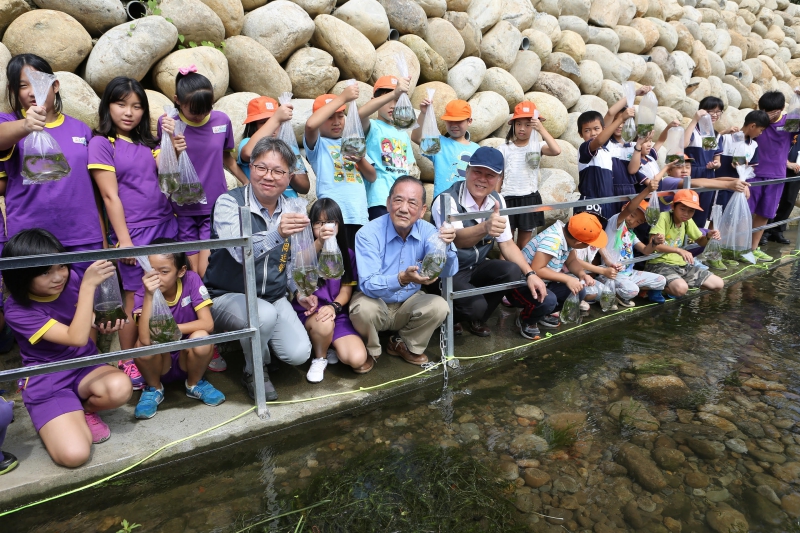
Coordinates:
460	167
393	155
343	169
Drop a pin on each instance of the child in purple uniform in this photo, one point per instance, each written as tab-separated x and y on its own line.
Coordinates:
190	303
324	312
6	335
67	207
50	311
210	146
8	461
123	164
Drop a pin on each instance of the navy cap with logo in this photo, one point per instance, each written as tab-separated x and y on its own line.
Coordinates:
487	157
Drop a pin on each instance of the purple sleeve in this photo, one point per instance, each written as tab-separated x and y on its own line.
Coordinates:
138	301
30	322
584	154
670	184
101	153
353	264
197	290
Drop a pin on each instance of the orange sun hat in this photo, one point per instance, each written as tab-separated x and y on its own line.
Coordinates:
586	228
457	110
687	197
260	108
322	100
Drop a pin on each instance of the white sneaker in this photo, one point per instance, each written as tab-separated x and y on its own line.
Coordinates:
317	370
332	356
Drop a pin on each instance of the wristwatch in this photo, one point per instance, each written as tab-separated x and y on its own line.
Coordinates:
530	273
635	150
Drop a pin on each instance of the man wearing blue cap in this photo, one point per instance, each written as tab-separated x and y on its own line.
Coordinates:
474	240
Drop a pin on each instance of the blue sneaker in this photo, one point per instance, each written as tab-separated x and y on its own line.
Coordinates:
205	392
148	403
655	296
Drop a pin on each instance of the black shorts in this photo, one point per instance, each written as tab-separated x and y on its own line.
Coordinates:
525	221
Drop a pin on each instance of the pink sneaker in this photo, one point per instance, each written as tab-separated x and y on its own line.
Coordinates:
129	367
99	429
217	363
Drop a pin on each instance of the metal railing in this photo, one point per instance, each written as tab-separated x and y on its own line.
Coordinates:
447	283
250	332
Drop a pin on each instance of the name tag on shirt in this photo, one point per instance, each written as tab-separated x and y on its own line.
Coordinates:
79	140
186	301
220	129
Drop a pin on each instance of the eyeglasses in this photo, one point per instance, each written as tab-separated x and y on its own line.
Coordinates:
715	113
262	171
320	223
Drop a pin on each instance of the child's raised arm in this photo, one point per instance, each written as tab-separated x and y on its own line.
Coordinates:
622	102
366	110
636	159
13	131
424	107
633	205
663	137
687	136
322	114
268	129
600	141
151	283
552	149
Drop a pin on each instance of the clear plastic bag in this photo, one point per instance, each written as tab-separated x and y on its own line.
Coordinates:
608	295
736	224
571	311
646	115
304	267
353	141
708	137
331	263
108	306
168	177
653	211
792	115
712	252
629	129
163	327
403	115
190	190
674	144
533	158
435	256
286	134
594	290
430	143
739	149
42	160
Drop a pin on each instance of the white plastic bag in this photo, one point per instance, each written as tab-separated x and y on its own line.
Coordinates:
435	256
571	311
168	177
674	144
331	263
736	224
353	141
533	158
739	149
190	190
629	130
608	295
403	115
653	211
304	267
286	134
108	306
792	115
430	143
708	137
42	160
163	327
646	115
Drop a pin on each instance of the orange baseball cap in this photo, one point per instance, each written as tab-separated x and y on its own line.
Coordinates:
324	99
587	228
687	197
260	108
457	110
643	205
524	109
385	82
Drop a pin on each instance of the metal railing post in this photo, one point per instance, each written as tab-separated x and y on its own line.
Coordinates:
447	287
797	237
251	295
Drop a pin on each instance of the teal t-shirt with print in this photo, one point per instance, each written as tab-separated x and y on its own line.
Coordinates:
390	150
450	164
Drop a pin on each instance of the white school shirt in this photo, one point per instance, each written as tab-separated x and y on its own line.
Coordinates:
519	179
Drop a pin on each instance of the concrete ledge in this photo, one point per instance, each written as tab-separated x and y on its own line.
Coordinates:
180	417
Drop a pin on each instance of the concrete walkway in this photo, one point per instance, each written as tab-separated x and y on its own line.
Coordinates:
180	417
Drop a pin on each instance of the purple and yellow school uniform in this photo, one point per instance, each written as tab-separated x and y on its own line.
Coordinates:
727	170
326	293
774	146
702	158
51	395
206	141
67	207
148	213
596	176
190	296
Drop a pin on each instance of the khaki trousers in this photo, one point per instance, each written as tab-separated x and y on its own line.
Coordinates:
415	320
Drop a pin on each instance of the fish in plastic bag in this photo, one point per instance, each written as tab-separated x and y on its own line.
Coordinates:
430	144
674	145
739	149
190	190
646	115
354	143
331	263
736	224
608	295
168	177
108	306
435	256
792	115
533	158
163	328
708	137
653	211
304	267
403	115
629	131
571	311
42	159
286	134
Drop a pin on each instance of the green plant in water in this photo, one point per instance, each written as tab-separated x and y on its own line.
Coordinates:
168	182
698	397
331	265
557	438
40	168
127	528
533	159
432	265
791	124
306	280
164	329
732	379
354	146
661	366
643	129
403	116
651	215
189	193
427	488
739	160
674	157
104	341
430	145
709	143
105	313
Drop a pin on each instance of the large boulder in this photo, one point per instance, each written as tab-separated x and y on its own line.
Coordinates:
539	43
571	134
552	109
605	37
591	76
486	13
636	62
79	100
52	35
280	26
610	92
195	21
311	72
432	66
500	45
525	69
386	64
210	62
406	16
10	10
316	7
576	24
563	88
444	38
667	36
547	24
123	51
571	44
466	76
630	40
469	31
444	95
433	8
503	83
604	13
235	106
156	101
685	37
613	68
519	13
557	186
253	68
576	8
563	65
489	111
96	16
5	57
589	102
250	5
352	51
230	12
567	160
368	17
648	30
